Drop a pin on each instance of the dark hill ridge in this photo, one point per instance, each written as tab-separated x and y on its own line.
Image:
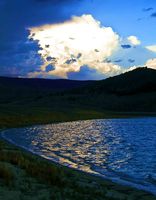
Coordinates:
24	89
133	91
140	80
37	83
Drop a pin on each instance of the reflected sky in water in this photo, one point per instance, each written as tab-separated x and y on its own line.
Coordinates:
124	148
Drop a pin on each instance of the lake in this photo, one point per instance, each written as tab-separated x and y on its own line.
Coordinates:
123	150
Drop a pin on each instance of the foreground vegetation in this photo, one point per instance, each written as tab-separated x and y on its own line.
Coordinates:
25	176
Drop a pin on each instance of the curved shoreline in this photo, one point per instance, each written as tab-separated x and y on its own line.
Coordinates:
116	180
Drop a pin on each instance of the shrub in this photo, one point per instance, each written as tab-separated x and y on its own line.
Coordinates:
6	174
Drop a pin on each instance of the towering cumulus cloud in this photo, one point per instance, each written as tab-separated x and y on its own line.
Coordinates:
151	63
134	40
81	41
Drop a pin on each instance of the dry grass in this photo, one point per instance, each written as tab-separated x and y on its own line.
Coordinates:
6	174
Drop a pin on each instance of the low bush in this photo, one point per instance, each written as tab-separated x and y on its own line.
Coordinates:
33	166
6	174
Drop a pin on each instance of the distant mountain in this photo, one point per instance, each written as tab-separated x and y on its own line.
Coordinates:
140	80
41	84
133	91
23	89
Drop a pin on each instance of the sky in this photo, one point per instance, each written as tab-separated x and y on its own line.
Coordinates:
76	39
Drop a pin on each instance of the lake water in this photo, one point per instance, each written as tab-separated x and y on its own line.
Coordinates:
123	150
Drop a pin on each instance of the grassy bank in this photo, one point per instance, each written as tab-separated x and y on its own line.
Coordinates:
25	176
13	115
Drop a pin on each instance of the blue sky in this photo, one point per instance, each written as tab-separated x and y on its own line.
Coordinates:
19	54
126	17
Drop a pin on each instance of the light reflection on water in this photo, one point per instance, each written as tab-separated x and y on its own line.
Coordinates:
124	148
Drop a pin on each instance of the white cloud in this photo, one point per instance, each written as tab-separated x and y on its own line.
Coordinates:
134	40
151	63
131	68
151	48
75	43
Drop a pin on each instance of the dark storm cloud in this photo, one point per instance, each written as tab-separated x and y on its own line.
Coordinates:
153	14
147	9
131	60
52	59
118	61
139	19
126	46
49	68
21	63
86	73
70	61
16	16
107	60
79	55
53	1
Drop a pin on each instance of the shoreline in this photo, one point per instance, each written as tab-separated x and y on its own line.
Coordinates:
94	176
114	180
15	122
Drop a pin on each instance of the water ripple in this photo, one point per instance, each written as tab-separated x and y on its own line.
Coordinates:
111	147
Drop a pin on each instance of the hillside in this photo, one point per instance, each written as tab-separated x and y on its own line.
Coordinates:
140	80
12	89
32	101
40	84
133	91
